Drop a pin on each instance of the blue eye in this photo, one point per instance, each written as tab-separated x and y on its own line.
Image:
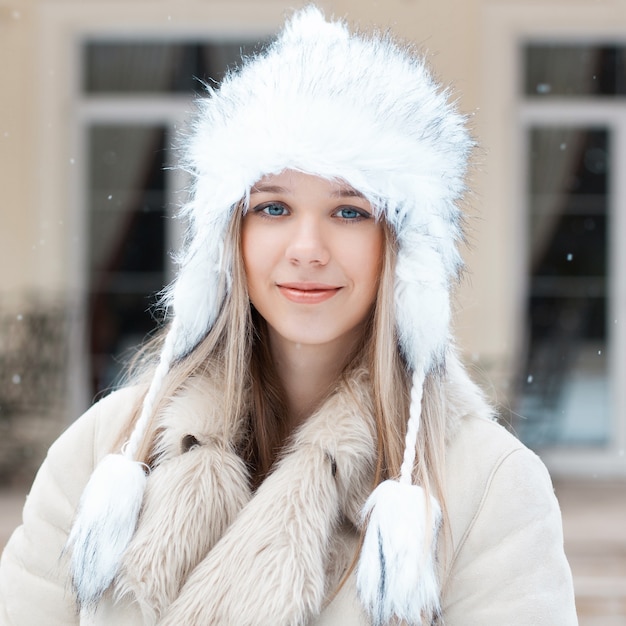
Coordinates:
272	209
348	213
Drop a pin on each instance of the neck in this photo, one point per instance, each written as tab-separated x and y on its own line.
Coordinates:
308	372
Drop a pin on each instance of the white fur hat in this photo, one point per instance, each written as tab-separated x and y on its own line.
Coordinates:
338	105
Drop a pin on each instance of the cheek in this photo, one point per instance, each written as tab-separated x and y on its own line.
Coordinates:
260	250
368	261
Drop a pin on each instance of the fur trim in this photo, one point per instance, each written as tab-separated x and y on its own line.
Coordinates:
396	575
171	539
196	410
105	522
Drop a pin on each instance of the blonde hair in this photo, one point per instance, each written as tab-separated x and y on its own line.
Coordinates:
237	346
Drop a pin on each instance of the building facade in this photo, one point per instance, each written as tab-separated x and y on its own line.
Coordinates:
95	94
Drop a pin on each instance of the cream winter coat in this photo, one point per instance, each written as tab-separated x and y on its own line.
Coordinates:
267	558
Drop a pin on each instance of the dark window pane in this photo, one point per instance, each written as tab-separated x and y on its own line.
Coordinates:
127	240
574	70
564	383
156	67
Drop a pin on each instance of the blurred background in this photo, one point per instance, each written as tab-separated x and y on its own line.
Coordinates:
95	93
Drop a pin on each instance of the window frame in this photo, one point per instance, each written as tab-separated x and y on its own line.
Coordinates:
508	115
610	114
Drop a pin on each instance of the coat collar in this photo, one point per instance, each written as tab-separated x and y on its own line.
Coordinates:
202	527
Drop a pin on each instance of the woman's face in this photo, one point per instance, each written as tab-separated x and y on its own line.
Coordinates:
312	254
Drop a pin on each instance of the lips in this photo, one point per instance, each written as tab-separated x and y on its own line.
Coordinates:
308	293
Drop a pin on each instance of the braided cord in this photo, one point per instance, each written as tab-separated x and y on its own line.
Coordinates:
168	355
412	427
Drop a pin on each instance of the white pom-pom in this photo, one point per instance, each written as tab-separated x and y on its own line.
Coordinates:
104	525
396	572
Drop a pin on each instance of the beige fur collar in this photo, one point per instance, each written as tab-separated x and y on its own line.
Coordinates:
209	551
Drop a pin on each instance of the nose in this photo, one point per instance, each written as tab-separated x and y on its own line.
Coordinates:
307	244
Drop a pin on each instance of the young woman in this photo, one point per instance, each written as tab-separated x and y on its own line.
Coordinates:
306	447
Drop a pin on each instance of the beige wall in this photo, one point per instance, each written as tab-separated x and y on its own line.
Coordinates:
18	149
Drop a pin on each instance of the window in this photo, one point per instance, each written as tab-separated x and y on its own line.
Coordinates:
134	95
154	67
572	70
565	390
571	134
127	223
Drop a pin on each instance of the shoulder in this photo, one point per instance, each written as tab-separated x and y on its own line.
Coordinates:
506	554
487	466
481	454
98	431
72	457
482	443
33	564
501	503
103	422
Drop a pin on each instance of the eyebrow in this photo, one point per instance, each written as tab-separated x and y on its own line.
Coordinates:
268	189
347	192
343	192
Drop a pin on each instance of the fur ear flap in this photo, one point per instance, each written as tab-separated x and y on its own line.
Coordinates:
190	500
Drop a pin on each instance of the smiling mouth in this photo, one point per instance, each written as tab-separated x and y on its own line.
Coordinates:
307	293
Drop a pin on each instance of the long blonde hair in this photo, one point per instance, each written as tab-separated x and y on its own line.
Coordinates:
237	346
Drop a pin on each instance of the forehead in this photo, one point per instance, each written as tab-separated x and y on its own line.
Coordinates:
294	181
